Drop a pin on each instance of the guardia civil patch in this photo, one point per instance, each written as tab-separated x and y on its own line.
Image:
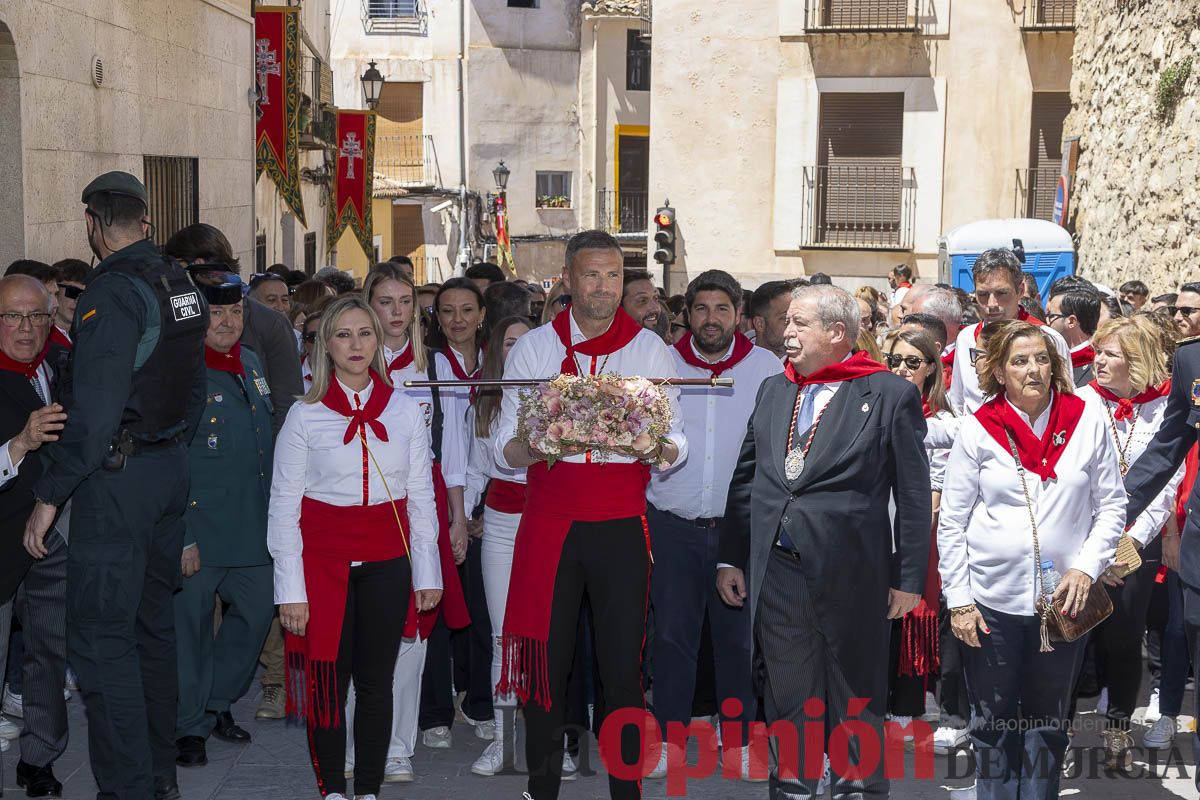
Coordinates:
185	306
1196	392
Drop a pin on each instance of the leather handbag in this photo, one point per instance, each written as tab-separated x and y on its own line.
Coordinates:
1056	626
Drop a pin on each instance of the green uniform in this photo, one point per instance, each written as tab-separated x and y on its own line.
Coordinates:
226	519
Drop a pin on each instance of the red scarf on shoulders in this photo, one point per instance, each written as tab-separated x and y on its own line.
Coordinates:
404	359
230	362
620	333
1039	456
856	366
1124	410
741	348
335	400
1083	357
29	370
459	372
58	336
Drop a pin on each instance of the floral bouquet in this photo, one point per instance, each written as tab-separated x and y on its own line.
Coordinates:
603	413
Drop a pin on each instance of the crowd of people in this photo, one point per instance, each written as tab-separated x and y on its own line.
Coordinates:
892	501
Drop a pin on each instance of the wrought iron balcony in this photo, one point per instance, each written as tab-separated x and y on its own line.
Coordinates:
622	212
861	16
1048	15
390	17
409	161
858	207
1034	197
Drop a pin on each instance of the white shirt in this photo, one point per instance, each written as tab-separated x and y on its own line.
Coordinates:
8	470
311	460
898	295
985	544
539	355
714	423
482	466
1147	420
939	456
454	402
965	395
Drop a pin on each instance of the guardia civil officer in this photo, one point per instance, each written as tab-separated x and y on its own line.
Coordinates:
139	384
225	535
1177	434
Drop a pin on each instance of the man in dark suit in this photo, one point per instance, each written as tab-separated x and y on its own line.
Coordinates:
829	443
27	420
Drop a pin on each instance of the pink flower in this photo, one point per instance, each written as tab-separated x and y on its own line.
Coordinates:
642	443
554	405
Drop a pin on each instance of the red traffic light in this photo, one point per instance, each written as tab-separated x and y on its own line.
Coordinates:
664	219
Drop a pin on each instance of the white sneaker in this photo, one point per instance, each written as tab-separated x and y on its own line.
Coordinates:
437	738
12	704
1152	711
485	730
755	772
364	797
660	769
8	729
492	760
569	771
946	739
1102	703
1161	734
336	796
963	794
397	770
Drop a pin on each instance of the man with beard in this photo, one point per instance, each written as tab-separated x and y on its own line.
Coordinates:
583	529
640	299
687	505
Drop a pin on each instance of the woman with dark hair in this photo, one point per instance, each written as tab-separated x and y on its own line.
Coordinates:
351	528
503	493
1032	508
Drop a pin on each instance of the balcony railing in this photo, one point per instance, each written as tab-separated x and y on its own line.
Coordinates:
861	16
388	17
622	212
427	269
1048	15
858	207
1034	197
410	161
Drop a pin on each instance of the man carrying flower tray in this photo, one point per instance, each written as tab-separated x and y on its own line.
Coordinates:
588	446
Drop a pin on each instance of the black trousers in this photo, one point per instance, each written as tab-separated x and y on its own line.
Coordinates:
800	665
1119	643
472	646
952	685
376	605
437	680
609	561
122	572
906	693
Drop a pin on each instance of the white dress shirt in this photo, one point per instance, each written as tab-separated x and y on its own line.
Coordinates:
312	460
482	466
965	395
714	423
1147	420
539	354
454	402
985	543
939	455
8	470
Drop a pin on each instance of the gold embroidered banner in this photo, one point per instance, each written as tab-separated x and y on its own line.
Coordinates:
354	178
277	109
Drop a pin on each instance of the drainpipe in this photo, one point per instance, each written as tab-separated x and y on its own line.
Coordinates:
464	250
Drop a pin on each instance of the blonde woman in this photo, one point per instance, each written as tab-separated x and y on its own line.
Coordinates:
351	526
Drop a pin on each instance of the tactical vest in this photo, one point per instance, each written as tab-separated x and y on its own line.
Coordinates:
162	387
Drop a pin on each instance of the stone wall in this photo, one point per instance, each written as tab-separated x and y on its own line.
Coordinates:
1137	186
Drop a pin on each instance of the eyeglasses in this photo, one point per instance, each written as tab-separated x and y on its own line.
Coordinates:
37	319
1187	311
976	354
310	337
1052	317
912	362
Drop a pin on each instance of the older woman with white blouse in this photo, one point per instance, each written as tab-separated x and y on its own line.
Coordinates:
1034	452
1130	394
351	527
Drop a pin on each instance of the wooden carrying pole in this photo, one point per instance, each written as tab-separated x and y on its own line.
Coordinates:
502	382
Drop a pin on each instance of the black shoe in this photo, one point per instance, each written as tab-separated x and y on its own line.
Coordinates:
166	791
38	781
229	730
191	751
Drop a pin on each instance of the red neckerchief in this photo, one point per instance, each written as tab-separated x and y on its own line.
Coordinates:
1083	357
28	370
459	372
230	362
1039	456
335	400
856	366
59	336
404	359
620	333
904	285
741	348
1125	404
1022	316
948	359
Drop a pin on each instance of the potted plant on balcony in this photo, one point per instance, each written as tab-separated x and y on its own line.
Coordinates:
553	201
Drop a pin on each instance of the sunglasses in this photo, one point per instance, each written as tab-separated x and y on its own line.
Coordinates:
976	354
310	337
1052	317
1187	311
71	292
912	362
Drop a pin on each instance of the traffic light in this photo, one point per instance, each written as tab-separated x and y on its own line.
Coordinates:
664	235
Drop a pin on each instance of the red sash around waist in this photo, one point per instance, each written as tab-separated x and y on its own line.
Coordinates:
507	497
453	603
555	499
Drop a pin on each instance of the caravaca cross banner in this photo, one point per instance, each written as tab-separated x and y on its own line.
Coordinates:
355	178
277	81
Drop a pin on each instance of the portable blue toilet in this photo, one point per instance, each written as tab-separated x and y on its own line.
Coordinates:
1049	251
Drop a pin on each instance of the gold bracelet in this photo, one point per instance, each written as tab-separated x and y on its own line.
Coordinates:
961	610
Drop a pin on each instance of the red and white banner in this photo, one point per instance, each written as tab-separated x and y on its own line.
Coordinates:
277	109
354	180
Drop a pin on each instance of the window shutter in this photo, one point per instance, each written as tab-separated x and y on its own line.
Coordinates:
878	14
1049	111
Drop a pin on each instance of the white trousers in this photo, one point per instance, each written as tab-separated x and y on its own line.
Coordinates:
406	702
496	556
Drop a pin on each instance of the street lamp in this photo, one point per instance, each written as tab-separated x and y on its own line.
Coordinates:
372	83
500	175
